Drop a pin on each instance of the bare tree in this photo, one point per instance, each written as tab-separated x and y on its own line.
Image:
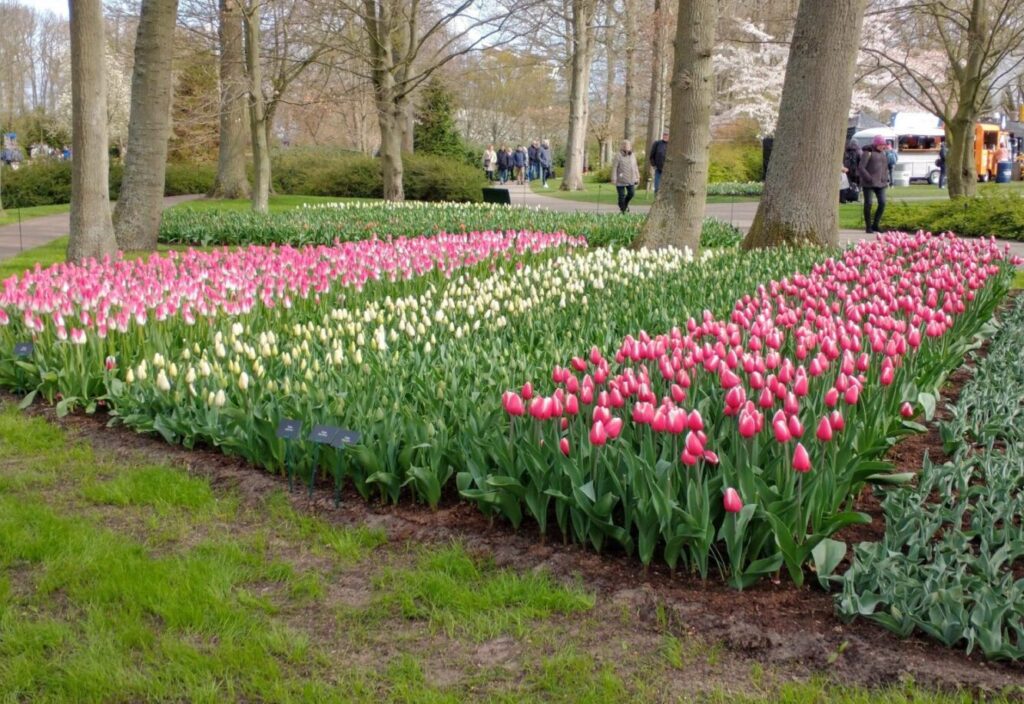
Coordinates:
982	42
92	234
655	100
629	26
404	43
581	18
799	201
677	215
257	108
231	181
140	201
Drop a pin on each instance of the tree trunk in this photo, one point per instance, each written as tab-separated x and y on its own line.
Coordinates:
800	192
629	22
140	202
677	215
257	111
654	114
408	128
232	181
961	169
92	233
575	152
392	130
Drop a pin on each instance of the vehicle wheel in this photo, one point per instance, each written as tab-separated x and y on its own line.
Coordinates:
933	178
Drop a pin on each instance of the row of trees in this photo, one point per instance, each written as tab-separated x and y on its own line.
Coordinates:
972	49
271	53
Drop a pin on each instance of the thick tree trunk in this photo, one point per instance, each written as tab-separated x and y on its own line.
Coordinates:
575	152
92	233
257	112
408	128
629	23
655	116
799	201
392	132
232	181
961	169
140	201
677	215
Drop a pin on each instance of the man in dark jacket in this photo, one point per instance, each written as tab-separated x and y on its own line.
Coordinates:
873	172
656	158
532	153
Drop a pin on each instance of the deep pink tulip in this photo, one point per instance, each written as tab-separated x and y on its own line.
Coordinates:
613	427
835	419
907	410
748	425
694	421
731	501
527	391
598	434
563	445
801	460
824	430
513	403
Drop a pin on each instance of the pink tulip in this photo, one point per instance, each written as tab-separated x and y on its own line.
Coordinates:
688	458
513	403
835	419
598	434
613	427
563	445
824	430
832	397
907	410
748	425
731	501
527	391
694	421
801	460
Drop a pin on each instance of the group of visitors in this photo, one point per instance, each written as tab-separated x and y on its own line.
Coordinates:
521	164
868	169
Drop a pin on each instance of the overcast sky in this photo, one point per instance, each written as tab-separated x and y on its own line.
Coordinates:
58	6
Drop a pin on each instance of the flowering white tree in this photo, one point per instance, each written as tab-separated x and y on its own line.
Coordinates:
749	72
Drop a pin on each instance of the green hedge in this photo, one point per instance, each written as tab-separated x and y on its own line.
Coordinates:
342	174
998	215
49	182
356	221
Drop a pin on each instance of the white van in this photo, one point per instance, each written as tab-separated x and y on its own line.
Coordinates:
918	150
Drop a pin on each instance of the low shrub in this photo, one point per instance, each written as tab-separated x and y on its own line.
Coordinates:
343	174
49	182
356	221
999	215
734	162
732	188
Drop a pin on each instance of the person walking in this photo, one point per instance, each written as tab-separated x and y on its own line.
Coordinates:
873	173
656	158
519	163
941	163
625	174
503	165
533	154
891	159
490	162
544	160
851	162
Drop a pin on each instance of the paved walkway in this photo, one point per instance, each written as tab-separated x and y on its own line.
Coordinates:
35	232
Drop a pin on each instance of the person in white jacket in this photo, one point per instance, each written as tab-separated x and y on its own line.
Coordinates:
625	174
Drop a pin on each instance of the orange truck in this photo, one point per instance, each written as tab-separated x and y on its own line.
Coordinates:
987	138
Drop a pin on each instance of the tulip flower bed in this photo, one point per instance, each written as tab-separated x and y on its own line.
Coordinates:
415	369
406	342
950	563
347	222
742	442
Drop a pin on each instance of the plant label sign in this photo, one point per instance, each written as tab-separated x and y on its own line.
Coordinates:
289	429
23	349
323	434
346	437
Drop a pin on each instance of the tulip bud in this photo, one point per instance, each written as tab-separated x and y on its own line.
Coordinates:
907	410
731	501
563	445
824	430
801	460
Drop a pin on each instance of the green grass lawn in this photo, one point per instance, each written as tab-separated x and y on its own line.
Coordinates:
10	216
124	578
605	194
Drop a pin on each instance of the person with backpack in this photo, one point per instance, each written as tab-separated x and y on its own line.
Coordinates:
504	165
873	174
519	164
851	162
891	158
